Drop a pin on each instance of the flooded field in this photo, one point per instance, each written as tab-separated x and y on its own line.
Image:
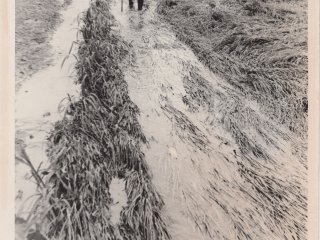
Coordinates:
224	169
220	168
40	104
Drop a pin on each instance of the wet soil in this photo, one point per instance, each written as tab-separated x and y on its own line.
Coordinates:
223	168
248	44
35	23
40	103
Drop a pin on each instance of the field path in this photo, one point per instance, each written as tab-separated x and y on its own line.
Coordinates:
224	170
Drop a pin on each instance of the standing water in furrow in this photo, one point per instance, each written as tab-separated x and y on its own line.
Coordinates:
98	184
223	168
40	103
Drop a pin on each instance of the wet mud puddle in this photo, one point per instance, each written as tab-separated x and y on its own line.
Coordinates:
224	170
39	104
119	201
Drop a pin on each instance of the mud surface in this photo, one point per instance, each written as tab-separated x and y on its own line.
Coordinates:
224	169
40	103
35	23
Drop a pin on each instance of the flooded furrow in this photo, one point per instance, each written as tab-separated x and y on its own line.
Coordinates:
223	168
39	104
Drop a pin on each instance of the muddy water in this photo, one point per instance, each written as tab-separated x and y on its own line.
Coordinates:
119	201
39	104
119	198
199	129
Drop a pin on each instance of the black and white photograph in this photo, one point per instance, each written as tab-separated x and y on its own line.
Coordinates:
161	120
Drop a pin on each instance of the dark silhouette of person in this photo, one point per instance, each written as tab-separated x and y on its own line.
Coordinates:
140	4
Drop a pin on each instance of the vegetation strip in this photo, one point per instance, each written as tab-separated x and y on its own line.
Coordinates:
98	139
260	47
246	50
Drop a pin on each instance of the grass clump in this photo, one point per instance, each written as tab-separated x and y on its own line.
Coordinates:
259	47
98	139
257	143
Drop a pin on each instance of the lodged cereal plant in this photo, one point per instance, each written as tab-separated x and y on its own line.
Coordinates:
259	47
98	139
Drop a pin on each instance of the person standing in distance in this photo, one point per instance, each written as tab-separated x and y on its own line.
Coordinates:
140	4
